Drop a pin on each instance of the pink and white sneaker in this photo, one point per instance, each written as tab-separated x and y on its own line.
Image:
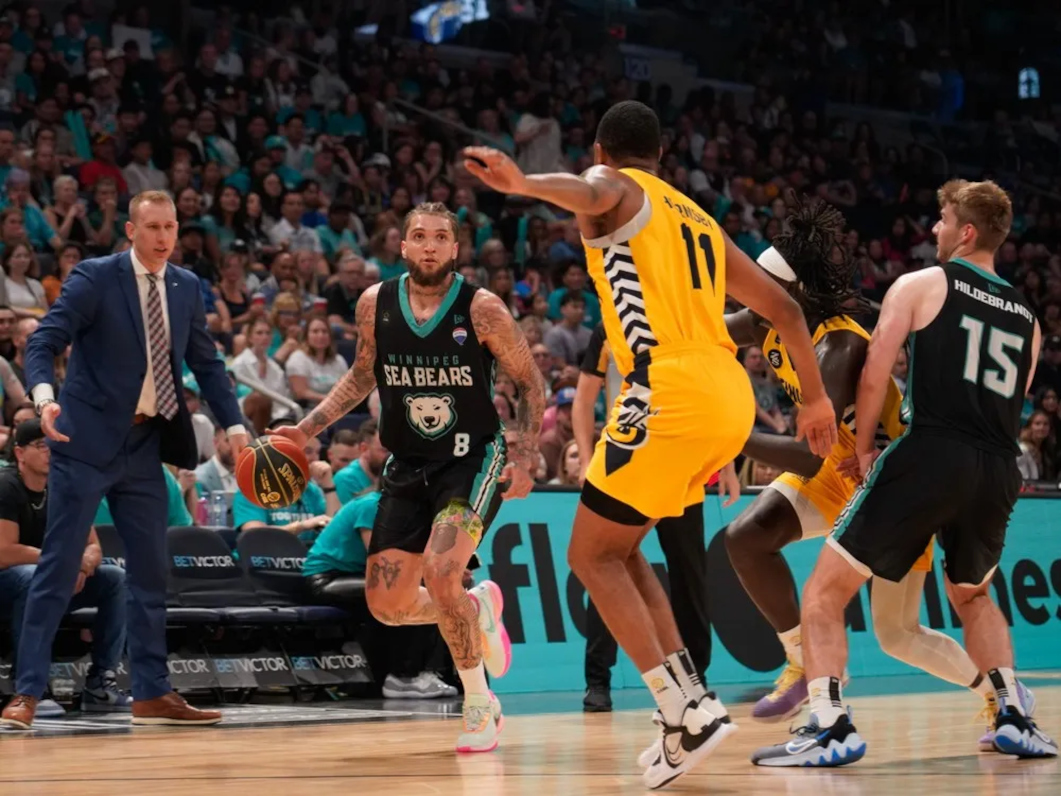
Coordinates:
497	648
482	723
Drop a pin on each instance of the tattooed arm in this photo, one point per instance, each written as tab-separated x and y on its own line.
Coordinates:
498	331
355	385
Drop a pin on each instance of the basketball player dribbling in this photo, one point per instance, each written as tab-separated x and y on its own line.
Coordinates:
431	343
973	343
662	269
805	501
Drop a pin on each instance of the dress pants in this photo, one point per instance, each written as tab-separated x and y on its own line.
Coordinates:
136	492
682	542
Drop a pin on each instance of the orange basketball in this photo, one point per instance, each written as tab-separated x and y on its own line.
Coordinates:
272	472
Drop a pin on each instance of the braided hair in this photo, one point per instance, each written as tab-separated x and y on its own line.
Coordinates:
824	269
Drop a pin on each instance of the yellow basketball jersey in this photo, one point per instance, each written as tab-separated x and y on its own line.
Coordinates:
661	277
891	425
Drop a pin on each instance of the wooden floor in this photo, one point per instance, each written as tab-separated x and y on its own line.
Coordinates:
918	744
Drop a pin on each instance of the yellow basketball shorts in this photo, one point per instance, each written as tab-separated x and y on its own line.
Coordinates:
685	411
829	492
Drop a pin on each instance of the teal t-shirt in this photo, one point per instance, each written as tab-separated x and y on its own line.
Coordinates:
342	126
311	504
351	481
177	515
592	316
388	271
332	241
339	547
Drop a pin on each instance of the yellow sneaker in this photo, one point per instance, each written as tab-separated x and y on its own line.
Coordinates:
787	699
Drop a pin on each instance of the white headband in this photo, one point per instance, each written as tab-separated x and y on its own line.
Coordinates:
772	262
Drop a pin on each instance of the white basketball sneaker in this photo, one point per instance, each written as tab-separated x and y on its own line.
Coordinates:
483	723
682	747
497	647
709	701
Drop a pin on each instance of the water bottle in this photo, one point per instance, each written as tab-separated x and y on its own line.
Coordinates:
201	517
218	510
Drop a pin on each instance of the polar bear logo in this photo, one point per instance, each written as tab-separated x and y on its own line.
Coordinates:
431	415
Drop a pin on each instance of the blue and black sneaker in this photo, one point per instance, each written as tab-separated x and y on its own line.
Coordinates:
1016	734
816	747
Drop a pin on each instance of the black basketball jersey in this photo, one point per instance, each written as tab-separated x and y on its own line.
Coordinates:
435	380
969	367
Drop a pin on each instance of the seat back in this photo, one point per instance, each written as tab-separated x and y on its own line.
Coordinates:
203	572
111	544
272	558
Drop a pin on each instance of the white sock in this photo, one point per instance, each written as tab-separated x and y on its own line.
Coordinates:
474	680
792	642
1004	682
826	701
669	696
686	674
982	686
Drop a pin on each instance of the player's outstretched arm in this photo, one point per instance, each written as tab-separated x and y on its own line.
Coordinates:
893	327
358	381
498	331
751	286
840	357
597	191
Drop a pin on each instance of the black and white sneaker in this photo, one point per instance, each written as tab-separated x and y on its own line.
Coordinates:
710	701
683	747
816	747
1016	734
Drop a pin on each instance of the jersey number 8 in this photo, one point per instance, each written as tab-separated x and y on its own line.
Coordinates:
461	444
1004	380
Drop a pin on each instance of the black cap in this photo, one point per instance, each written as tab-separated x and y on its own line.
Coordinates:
28	432
189	228
1053	343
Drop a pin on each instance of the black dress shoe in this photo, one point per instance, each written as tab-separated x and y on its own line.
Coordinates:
598	699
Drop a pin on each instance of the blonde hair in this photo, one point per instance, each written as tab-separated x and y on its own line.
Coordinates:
149	198
984	205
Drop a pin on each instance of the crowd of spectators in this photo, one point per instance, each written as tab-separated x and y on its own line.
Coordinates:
291	171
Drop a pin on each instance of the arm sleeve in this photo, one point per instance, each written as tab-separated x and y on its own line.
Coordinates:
595	359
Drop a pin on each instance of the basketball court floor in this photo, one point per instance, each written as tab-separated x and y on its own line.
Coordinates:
920	742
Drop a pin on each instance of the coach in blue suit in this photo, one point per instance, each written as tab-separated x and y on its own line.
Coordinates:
132	320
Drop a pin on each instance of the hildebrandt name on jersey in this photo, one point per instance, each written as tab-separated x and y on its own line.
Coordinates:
412	370
992	300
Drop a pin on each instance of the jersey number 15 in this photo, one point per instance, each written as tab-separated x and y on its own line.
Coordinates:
709	256
1002	380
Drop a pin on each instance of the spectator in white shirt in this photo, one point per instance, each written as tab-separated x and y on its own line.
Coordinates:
140	175
255	364
315	368
218	473
289	232
229	62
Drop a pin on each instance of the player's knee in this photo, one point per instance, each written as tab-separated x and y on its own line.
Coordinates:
385	606
443	577
747	538
893	638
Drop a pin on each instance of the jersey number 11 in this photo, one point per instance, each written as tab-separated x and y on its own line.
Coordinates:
709	256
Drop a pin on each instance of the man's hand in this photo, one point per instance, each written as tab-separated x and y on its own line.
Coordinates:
49	414
519	480
857	466
817	422
321	472
293	433
494	168
186	478
238	443
728	485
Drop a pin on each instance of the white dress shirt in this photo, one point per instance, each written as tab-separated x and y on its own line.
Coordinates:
148	401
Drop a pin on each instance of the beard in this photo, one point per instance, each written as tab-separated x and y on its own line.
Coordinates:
424	278
375	468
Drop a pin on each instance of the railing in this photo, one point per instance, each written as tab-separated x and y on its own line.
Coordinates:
405	105
296	410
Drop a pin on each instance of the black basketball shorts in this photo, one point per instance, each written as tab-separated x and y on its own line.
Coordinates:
412	495
927	484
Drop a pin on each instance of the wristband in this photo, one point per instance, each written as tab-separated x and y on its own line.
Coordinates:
329	490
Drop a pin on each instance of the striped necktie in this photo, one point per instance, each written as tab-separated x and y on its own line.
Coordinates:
165	391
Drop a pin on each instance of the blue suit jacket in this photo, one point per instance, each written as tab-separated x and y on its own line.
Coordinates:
99	312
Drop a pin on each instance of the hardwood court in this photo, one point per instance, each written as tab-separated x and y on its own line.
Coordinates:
919	744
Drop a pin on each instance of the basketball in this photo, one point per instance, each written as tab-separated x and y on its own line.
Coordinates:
272	472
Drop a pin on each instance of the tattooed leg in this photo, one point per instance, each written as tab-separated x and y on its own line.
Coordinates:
393	590
454	537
